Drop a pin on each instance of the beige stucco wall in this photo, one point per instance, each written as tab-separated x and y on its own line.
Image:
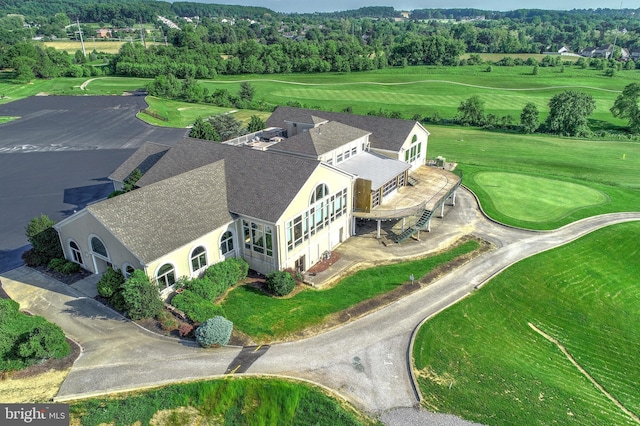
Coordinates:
80	228
326	239
181	258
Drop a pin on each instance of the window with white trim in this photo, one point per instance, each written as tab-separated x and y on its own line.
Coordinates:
166	275
76	254
226	242
127	270
321	213
258	237
198	258
97	246
413	153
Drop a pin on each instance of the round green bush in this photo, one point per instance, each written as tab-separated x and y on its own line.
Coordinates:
110	282
280	283
214	332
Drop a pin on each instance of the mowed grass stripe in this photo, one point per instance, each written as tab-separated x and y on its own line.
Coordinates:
585	295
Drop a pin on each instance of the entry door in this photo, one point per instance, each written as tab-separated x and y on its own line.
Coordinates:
300	264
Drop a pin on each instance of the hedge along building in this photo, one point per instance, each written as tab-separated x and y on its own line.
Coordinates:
277	201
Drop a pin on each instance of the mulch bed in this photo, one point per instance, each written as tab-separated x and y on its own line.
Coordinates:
323	264
63	278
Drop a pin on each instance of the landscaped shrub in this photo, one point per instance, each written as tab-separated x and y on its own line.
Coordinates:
44	240
64	266
185	329
280	283
214	332
241	268
205	287
26	340
45	341
141	297
110	282
195	306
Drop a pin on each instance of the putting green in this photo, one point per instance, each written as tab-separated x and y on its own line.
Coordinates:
535	199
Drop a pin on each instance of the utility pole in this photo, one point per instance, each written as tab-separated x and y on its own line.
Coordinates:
84	52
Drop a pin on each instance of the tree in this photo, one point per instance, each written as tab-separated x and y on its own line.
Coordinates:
227	126
626	106
202	129
44	239
568	113
140	296
471	112
255	124
247	91
529	120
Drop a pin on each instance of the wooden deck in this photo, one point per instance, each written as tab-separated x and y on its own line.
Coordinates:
432	185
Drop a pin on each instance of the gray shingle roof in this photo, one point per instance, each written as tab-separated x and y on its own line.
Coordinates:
162	217
320	140
386	133
143	159
260	184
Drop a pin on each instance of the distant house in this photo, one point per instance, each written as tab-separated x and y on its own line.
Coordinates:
604	51
634	54
104	33
588	52
564	49
624	54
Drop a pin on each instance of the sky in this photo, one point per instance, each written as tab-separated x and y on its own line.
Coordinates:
307	6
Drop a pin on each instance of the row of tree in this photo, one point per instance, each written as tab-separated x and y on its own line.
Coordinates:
569	113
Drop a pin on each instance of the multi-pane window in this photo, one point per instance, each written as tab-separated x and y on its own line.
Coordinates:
389	187
375	199
198	259
322	211
128	270
76	254
166	275
98	247
226	242
413	153
258	237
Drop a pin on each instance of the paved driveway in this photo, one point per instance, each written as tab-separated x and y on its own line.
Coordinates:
366	361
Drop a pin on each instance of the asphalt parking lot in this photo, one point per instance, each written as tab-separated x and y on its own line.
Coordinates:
56	158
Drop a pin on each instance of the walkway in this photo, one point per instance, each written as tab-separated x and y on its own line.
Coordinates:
365	361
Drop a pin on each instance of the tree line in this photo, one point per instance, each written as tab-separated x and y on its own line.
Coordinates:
569	113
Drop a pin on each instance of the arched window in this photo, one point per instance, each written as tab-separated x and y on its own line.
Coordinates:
97	246
319	193
226	242
76	254
414	139
166	275
127	270
198	259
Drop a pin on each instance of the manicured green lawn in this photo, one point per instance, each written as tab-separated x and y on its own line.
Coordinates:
538	163
428	90
183	114
266	318
535	199
479	359
221	402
